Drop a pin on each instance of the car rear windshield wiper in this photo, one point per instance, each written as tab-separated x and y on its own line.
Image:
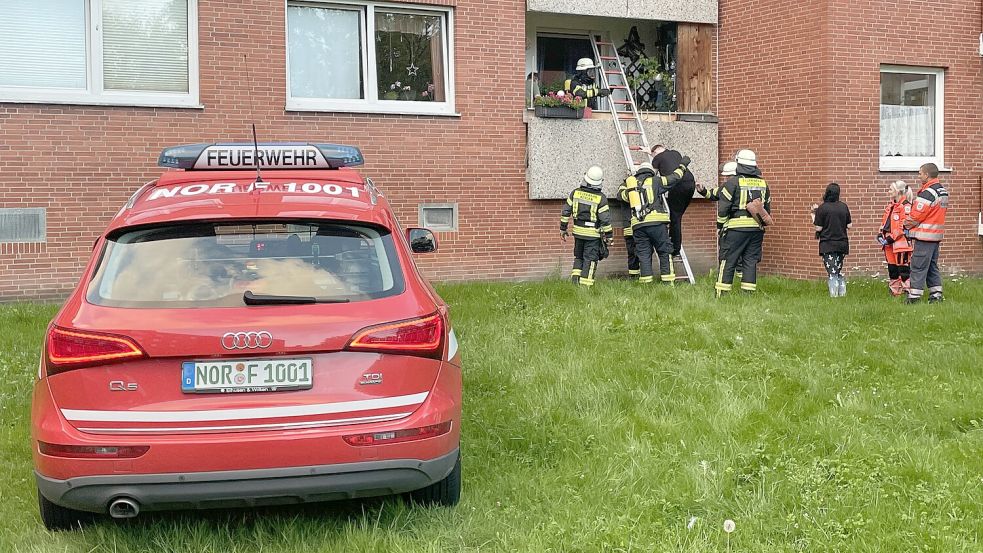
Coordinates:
266	299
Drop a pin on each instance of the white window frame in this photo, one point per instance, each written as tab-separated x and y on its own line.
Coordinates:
94	93
371	103
913	163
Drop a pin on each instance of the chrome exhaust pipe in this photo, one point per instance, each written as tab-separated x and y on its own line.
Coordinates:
124	507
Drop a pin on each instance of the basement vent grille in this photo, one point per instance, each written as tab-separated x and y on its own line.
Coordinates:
22	224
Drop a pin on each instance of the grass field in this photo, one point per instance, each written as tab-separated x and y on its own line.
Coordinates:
631	419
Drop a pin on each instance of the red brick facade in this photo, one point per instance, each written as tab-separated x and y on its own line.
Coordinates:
798	83
801	86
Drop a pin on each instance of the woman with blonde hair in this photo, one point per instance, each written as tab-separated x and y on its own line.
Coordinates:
894	238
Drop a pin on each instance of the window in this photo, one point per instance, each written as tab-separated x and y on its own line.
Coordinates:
213	265
116	52
369	58
438	217
911	116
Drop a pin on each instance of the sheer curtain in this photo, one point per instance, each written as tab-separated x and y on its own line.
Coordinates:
43	43
907	131
145	45
324	46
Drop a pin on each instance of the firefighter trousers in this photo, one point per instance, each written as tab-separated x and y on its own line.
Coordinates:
633	265
925	269
653	240
586	253
740	245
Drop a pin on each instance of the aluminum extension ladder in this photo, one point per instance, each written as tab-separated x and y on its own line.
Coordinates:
627	122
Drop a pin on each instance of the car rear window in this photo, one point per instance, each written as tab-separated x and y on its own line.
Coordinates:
214	264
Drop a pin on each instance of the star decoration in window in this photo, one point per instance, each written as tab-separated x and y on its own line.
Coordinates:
412	70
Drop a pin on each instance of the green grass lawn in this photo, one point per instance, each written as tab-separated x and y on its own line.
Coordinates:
638	419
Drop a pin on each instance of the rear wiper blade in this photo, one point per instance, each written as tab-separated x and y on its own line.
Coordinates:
266	299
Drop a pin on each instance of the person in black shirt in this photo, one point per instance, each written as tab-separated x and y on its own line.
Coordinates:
679	197
832	219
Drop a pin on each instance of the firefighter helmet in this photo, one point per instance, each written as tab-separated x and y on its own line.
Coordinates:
729	169
594	177
584	64
647	166
747	157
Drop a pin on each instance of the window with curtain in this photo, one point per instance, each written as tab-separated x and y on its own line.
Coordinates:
362	57
910	117
126	52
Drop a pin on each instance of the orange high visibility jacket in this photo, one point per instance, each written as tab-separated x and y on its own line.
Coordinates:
892	228
927	219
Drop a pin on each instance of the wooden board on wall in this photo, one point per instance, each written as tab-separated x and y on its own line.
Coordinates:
694	69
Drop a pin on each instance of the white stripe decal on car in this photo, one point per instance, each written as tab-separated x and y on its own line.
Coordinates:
240	414
237	427
452	346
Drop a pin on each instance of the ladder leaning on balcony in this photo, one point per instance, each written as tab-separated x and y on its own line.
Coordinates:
627	122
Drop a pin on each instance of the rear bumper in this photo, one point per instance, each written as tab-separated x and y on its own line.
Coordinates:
247	488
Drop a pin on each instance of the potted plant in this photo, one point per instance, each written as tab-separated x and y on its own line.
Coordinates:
559	105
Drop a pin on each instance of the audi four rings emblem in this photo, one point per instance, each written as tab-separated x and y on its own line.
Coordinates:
247	340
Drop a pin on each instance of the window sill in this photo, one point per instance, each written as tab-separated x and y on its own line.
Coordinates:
911	167
302	106
106	102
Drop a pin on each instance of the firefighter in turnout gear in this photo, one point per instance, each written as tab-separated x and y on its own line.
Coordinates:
583	84
644	192
727	170
591	214
743	211
926	227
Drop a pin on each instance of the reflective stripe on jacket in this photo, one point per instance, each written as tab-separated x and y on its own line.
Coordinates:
892	227
651	189
590	212
928	212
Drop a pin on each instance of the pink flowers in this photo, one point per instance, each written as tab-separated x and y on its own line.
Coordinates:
560	99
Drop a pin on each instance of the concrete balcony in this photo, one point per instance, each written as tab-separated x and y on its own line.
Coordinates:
689	11
560	150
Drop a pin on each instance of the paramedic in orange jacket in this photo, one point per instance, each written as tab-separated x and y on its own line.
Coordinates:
894	240
926	227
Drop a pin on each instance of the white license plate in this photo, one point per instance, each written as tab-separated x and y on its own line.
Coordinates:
246	375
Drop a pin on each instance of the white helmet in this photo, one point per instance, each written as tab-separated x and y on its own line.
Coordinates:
585	63
747	157
645	165
594	176
729	169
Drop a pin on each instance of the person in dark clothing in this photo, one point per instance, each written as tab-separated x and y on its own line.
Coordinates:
743	206
643	192
634	267
584	85
832	219
679	197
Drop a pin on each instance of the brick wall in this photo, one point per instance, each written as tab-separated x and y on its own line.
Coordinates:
81	163
800	84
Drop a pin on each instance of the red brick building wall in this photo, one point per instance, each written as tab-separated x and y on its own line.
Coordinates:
82	162
800	84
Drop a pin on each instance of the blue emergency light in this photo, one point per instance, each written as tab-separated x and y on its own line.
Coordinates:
267	155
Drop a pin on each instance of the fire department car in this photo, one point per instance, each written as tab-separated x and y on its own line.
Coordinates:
244	337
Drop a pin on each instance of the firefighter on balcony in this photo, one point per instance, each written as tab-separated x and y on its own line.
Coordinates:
591	215
744	210
583	84
926	227
644	192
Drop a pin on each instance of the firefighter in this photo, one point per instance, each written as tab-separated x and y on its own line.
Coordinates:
644	193
926	227
583	84
665	162
727	170
591	224
894	239
743	209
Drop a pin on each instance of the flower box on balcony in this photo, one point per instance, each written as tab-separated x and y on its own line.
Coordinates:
559	112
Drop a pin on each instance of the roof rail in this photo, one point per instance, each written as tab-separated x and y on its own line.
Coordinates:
269	155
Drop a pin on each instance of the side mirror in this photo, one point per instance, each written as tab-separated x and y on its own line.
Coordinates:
421	240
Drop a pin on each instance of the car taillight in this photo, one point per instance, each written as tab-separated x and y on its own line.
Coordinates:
423	336
71	349
93	451
397	436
